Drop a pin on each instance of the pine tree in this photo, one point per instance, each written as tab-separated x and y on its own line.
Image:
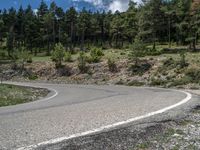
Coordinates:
71	20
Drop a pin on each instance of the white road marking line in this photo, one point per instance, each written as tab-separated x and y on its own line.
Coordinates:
58	140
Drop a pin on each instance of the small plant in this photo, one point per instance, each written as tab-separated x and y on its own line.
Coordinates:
137	50
68	57
23	56
183	62
158	82
32	77
95	55
58	55
135	83
140	68
82	63
29	59
112	65
193	74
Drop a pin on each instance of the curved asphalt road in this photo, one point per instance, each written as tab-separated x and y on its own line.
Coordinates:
72	109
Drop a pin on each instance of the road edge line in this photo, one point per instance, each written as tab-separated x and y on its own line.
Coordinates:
58	140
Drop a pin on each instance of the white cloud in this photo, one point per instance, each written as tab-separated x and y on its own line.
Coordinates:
113	5
94	2
35	11
120	5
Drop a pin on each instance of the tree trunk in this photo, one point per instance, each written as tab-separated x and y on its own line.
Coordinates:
154	45
54	35
72	37
82	40
169	32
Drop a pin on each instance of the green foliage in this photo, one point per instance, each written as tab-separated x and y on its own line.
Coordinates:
112	65
178	82
137	50
82	63
140	68
158	82
193	74
68	57
58	55
32	77
3	55
24	56
12	95
135	83
183	62
156	21
95	55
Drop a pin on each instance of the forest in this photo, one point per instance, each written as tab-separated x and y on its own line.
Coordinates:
153	22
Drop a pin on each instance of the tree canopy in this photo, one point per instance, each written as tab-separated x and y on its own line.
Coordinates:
151	22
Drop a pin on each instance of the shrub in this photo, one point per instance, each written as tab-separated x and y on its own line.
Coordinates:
112	65
68	57
32	77
58	55
137	50
183	62
3	55
29	59
182	81
95	55
194	74
82	63
139	69
167	64
135	83
158	82
23	56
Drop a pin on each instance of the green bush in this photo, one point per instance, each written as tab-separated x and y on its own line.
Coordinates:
24	57
112	65
58	55
32	77
137	50
82	63
3	55
135	83
167	65
158	82
139	69
68	57
29	59
182	61
95	55
178	82
153	52
194	74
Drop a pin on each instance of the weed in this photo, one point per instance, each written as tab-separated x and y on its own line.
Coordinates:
68	57
82	63
112	65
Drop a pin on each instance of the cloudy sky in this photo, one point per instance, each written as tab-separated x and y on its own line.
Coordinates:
112	5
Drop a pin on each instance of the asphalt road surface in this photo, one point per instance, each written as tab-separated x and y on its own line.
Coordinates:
72	109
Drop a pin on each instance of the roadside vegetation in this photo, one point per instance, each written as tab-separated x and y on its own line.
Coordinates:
154	44
12	95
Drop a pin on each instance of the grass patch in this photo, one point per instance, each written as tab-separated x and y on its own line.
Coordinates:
185	122
12	94
135	83
143	145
